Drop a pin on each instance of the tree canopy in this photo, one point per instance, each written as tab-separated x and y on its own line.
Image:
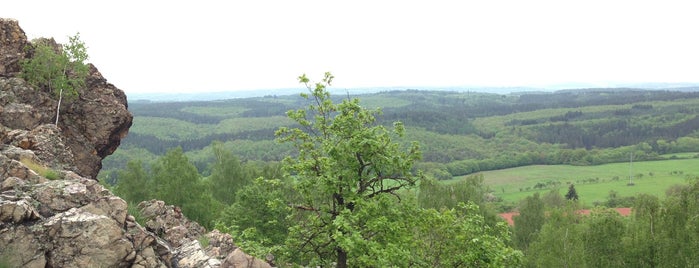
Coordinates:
346	165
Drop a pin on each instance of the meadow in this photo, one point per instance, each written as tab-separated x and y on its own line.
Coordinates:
592	183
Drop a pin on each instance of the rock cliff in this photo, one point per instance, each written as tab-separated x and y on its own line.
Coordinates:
53	212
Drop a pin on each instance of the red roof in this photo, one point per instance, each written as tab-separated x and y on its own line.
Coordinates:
508	215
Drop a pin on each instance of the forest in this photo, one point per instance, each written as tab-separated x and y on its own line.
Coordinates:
398	178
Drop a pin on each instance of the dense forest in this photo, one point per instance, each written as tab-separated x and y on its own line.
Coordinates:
460	132
275	172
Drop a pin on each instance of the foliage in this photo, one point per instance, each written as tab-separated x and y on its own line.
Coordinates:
228	175
60	71
345	169
459	133
603	231
528	222
436	195
459	237
559	243
259	216
504	130
132	184
176	181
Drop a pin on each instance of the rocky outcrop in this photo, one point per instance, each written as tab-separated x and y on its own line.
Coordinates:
12	44
53	213
93	124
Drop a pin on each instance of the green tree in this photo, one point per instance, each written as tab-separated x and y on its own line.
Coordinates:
176	181
346	170
604	229
572	194
228	175
259	216
553	198
678	227
133	183
641	241
460	237
433	194
559	243
59	70
529	221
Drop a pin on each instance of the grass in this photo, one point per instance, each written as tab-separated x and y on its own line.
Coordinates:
40	169
132	209
204	241
650	177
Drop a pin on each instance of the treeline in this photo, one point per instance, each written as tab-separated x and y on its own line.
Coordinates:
251	201
449	133
347	198
159	146
614	132
659	233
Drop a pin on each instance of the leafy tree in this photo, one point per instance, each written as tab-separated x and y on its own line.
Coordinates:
604	229
347	169
559	243
259	216
641	241
529	221
678	227
133	182
459	237
61	71
176	181
433	194
572	194
228	175
553	198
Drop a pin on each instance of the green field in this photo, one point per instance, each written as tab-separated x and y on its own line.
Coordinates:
650	177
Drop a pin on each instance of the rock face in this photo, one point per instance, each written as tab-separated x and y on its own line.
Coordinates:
93	124
12	43
53	213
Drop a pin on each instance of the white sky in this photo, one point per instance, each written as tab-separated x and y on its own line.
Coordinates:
199	46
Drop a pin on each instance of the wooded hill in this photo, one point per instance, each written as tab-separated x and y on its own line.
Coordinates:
260	201
459	133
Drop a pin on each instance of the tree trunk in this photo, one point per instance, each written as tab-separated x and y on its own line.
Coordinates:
58	107
341	258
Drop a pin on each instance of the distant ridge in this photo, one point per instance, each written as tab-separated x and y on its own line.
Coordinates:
572	87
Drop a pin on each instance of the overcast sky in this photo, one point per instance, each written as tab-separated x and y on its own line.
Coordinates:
203	46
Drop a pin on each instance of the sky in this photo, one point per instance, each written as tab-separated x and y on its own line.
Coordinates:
209	46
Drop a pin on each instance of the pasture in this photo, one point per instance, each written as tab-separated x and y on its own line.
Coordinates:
592	183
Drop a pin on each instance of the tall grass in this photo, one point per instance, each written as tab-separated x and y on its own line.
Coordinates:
40	169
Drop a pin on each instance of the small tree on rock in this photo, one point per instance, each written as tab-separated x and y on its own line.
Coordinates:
59	70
